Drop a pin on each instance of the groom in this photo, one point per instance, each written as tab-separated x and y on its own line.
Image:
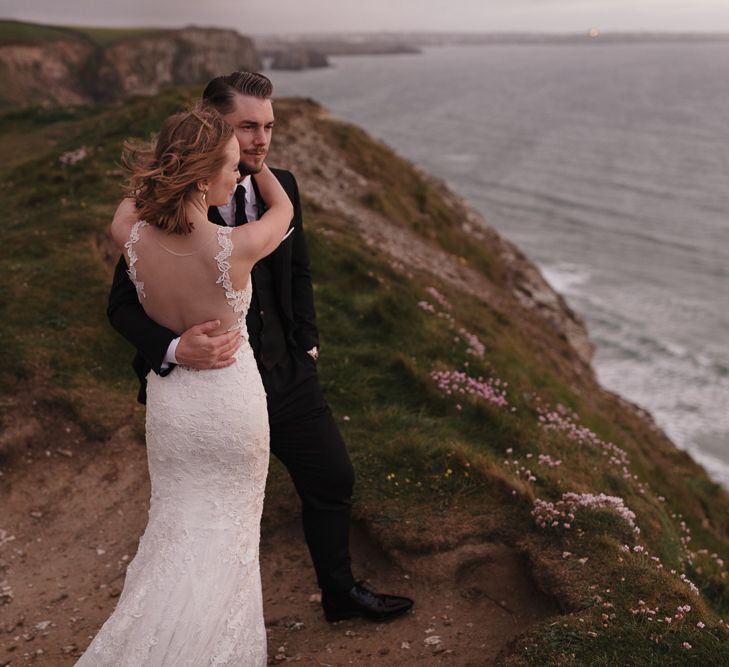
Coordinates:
285	340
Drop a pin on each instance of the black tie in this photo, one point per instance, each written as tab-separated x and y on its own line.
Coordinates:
240	206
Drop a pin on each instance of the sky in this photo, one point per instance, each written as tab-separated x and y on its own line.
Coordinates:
298	16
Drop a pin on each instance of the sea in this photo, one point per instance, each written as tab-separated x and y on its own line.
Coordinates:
608	165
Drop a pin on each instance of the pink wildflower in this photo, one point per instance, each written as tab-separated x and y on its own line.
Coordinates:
461	383
72	157
438	297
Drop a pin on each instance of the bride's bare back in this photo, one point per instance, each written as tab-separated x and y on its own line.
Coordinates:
188	283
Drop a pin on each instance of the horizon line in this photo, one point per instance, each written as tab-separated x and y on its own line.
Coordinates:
412	31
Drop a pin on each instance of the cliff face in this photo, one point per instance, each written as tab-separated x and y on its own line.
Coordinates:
194	55
298	147
298	59
50	74
78	71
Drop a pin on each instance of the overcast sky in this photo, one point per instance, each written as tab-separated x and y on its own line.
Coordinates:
270	16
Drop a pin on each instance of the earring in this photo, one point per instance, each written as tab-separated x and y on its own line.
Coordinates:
205	195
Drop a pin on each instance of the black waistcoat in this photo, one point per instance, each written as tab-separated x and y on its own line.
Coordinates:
265	328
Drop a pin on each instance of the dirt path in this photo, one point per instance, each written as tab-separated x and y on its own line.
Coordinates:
72	512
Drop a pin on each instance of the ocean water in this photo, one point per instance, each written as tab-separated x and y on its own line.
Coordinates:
609	166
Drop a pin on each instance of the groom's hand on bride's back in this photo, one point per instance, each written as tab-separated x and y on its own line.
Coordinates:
198	349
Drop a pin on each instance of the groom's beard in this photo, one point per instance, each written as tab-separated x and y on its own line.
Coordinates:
246	169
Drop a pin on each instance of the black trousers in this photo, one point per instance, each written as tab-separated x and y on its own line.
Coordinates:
305	438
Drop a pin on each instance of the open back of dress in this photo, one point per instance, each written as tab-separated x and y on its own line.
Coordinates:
179	290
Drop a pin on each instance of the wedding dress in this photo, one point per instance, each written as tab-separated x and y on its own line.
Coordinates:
192	594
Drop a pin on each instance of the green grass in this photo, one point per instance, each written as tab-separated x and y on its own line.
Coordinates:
19	32
107	36
431	468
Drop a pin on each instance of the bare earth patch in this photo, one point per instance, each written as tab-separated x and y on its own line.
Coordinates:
73	512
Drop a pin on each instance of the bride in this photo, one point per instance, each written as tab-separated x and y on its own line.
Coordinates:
192	594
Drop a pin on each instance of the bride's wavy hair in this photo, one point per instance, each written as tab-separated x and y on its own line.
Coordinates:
189	148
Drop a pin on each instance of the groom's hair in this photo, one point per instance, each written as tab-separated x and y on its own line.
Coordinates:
221	91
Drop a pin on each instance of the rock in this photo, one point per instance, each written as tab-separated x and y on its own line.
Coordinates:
280	654
298	58
6	593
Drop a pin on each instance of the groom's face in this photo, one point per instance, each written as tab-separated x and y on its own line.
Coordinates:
252	122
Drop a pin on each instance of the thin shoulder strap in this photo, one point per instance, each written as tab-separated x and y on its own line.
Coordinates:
132	254
223	260
238	299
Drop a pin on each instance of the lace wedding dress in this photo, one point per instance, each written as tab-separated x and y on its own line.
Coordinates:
192	594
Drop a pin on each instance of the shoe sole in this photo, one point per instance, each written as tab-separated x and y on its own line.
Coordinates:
333	617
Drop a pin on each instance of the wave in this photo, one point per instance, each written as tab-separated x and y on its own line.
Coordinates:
565	277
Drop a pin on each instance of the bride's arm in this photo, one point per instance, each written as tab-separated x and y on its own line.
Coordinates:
260	238
124	219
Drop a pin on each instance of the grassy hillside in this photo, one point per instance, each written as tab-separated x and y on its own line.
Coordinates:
108	36
468	418
20	32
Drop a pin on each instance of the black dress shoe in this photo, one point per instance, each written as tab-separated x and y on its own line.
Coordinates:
360	601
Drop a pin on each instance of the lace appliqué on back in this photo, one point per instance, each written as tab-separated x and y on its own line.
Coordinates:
132	253
240	299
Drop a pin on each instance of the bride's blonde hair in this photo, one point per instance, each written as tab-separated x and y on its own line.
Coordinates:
190	148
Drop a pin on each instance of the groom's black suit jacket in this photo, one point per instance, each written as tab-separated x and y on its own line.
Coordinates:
289	265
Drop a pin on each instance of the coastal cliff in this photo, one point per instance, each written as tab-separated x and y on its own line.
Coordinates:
143	65
60	66
536	518
54	73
